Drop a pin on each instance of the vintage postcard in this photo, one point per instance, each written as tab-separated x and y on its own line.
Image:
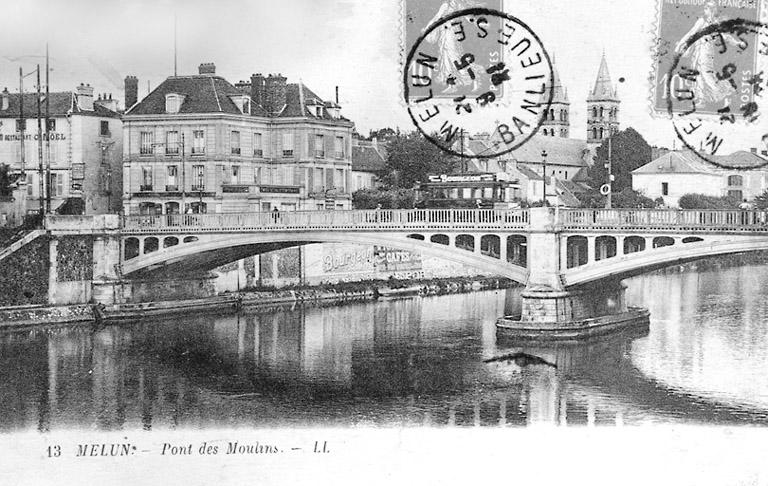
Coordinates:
384	242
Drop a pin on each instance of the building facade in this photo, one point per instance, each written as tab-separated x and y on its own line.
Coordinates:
682	172
368	161
200	144
82	148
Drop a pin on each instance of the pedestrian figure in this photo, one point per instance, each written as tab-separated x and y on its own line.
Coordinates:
275	215
378	212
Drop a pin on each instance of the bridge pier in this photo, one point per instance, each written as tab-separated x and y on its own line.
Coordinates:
549	310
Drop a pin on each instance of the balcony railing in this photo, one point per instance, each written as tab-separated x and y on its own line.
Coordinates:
198	187
172	188
145	187
319	154
235	189
198	150
258	152
235	150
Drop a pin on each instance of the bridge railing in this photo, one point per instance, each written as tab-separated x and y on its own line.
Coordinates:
691	219
384	219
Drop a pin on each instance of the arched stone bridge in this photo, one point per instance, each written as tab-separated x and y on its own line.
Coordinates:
556	249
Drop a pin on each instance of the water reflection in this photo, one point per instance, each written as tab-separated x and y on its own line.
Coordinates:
408	362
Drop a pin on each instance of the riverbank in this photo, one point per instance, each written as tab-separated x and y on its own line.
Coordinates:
263	298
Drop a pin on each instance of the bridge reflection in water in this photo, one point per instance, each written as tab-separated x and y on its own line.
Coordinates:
410	362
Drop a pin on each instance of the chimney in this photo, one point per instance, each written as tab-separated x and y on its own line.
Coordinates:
107	102
207	68
131	91
258	89
5	99
84	94
243	87
753	150
275	93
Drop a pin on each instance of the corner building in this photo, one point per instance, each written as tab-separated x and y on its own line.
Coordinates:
83	149
199	144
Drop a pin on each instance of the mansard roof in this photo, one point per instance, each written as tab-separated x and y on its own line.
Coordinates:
59	104
211	94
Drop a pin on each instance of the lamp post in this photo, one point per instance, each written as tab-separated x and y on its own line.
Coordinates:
544	162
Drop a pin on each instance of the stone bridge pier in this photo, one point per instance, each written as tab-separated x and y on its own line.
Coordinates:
548	307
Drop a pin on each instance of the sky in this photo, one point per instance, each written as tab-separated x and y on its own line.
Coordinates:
352	44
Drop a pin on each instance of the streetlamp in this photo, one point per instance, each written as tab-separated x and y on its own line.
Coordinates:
22	128
544	159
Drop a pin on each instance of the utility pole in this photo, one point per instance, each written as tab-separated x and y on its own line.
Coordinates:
183	177
544	158
47	134
41	162
22	124
609	166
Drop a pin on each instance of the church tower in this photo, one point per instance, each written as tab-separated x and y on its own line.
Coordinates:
557	120
602	107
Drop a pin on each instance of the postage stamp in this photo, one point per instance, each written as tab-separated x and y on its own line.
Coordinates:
452	81
682	21
719	72
419	15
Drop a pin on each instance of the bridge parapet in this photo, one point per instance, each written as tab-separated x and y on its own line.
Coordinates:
82	224
663	219
355	220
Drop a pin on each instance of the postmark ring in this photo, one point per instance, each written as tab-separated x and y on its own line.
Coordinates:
528	88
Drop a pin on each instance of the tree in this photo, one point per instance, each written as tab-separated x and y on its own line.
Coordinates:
629	150
388	199
383	134
5	181
626	199
761	201
702	201
411	158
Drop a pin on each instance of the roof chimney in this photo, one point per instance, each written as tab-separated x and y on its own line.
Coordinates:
84	94
258	89
5	99
131	91
275	93
107	102
753	150
207	68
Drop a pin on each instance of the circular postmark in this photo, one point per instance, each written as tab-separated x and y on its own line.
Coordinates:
478	71
716	89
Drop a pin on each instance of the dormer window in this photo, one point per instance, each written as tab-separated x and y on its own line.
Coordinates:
319	111
242	102
173	102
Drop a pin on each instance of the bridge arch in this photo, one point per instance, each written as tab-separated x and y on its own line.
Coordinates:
213	250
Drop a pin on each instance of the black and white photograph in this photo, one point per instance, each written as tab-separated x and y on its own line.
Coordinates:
384	242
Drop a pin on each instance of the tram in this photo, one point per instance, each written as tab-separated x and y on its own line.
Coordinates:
478	190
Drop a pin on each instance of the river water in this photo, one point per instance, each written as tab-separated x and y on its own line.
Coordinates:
411	362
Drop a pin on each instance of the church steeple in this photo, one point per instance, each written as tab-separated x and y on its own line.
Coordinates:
556	121
602	106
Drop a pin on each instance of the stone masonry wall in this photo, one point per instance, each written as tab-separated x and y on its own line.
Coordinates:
24	275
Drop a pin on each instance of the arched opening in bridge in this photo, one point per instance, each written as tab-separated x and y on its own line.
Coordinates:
517	250
576	251
151	245
633	244
465	242
490	245
605	247
171	208
131	248
190	239
440	239
662	241
692	239
416	237
170	241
